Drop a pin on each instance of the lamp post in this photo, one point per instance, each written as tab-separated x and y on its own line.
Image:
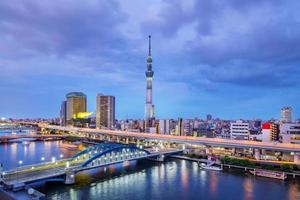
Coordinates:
18	169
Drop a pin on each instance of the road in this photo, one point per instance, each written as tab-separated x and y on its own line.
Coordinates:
284	147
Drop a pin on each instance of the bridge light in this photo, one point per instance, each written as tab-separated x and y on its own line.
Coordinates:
42	158
61	156
20	162
53	159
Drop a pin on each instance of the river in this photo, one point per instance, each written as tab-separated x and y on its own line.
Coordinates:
173	179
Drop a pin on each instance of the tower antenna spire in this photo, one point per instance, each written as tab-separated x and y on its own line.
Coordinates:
149	53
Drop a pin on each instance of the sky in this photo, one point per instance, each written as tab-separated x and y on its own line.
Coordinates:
232	59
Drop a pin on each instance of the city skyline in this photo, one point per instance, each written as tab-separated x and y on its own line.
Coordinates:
232	63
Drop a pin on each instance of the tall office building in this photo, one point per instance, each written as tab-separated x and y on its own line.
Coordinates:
179	127
105	111
63	113
76	103
149	108
164	126
286	115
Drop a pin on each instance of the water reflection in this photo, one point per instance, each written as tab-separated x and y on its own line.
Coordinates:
173	179
31	153
248	188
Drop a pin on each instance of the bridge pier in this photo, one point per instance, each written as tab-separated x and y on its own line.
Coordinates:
70	177
159	158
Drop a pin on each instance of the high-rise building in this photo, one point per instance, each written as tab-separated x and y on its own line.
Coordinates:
275	130
208	117
239	130
179	127
164	126
105	111
76	103
286	115
149	108
63	113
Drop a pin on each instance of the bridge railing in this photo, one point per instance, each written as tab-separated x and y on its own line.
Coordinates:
33	166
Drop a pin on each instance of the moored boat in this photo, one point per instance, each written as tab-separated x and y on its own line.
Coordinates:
269	174
210	167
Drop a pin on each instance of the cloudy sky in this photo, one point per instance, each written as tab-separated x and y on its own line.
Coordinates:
232	59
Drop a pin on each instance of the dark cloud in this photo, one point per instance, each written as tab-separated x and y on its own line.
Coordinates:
203	52
60	27
243	42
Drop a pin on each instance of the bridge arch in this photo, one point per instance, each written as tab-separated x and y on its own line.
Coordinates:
117	153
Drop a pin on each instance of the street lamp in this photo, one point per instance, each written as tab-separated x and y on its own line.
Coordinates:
20	163
42	158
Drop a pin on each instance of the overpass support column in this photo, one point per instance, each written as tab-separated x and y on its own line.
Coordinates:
127	140
70	177
233	151
118	139
257	154
138	143
207	151
297	158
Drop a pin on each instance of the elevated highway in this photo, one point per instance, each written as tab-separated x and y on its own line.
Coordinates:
218	142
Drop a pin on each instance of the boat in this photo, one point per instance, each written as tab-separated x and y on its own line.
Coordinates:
210	167
268	174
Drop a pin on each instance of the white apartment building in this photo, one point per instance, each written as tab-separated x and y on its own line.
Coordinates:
290	133
239	130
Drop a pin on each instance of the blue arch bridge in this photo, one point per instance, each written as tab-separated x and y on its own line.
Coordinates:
92	157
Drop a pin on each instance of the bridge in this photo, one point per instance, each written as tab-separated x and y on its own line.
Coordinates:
93	157
31	136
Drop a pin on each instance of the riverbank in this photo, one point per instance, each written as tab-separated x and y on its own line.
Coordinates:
240	164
